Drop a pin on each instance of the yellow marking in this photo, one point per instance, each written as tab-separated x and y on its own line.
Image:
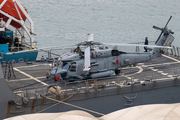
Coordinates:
30	76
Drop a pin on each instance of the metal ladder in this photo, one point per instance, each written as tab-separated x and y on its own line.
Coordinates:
9	69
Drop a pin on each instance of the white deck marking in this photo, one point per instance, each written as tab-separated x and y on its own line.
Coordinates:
140	70
33	66
160	64
143	66
125	76
152	66
30	76
164	73
140	63
170	76
148	76
25	79
163	79
154	69
128	67
177	61
136	80
171	58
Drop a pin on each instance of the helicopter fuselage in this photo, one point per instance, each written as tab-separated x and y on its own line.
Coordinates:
104	62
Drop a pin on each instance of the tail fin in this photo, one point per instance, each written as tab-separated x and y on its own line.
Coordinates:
164	39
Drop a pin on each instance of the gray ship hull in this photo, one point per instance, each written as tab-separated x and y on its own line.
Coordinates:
111	103
162	89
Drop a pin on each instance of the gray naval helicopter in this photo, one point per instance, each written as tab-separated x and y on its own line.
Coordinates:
97	61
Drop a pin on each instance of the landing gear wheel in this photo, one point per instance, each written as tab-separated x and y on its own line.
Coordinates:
134	65
117	72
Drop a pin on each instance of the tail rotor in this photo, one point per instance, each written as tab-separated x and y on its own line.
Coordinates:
163	30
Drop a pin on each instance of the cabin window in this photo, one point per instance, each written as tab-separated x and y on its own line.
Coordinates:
106	47
115	52
73	68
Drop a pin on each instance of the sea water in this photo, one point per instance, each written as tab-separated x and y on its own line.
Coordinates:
63	22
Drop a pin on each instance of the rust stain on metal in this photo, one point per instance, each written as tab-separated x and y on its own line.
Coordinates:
32	108
64	96
43	101
78	96
17	112
59	97
8	110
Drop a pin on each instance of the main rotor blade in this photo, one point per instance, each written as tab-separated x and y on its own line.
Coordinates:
87	59
124	44
155	27
168	22
159	37
40	49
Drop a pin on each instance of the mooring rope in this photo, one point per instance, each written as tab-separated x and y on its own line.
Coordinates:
75	106
54	104
68	104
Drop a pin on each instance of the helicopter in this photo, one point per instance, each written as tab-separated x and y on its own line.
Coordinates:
101	61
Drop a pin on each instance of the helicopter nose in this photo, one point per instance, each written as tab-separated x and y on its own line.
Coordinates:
63	74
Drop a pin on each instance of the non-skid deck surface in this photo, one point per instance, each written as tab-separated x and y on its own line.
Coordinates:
34	75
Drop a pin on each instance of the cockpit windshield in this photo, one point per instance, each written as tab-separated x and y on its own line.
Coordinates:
58	64
65	66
